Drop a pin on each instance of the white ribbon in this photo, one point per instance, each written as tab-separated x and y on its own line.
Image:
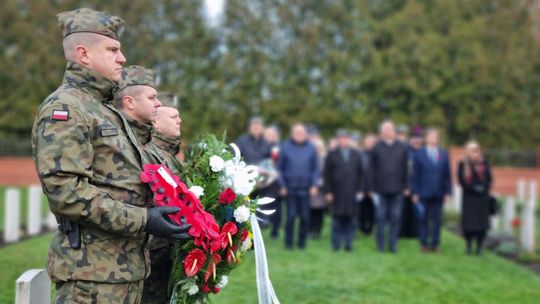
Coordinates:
265	290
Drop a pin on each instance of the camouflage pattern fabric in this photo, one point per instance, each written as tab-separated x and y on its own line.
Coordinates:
137	75
89	164
85	20
83	292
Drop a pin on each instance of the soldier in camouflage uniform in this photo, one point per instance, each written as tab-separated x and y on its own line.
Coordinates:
137	100
165	143
89	164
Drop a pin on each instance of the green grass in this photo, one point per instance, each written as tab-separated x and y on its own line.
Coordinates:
23	205
318	275
16	259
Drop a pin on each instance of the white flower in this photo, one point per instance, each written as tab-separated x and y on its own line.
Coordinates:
230	168
241	214
242	185
265	201
223	282
193	289
217	163
197	190
246	245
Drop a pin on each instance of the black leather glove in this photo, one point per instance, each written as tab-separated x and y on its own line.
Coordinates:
159	224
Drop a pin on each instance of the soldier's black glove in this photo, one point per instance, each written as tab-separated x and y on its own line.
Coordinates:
159	224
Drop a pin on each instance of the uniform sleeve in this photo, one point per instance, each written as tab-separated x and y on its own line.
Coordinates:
64	156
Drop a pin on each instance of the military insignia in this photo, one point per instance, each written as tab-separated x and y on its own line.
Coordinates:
109	131
61	115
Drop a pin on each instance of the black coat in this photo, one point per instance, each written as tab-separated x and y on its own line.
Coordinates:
475	201
389	168
344	180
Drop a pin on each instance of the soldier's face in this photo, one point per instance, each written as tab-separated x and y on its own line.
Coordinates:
145	105
168	121
106	58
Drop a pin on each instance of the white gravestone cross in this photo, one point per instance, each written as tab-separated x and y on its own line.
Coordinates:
528	215
33	287
12	215
33	225
509	215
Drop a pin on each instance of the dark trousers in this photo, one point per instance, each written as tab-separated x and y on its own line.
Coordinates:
297	206
275	219
316	219
389	207
478	236
342	232
430	224
366	219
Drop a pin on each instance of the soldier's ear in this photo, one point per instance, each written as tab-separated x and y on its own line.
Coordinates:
83	56
128	102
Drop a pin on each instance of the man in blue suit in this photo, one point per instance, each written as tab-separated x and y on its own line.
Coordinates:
431	185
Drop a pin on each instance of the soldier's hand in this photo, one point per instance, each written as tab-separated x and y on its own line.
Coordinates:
159	224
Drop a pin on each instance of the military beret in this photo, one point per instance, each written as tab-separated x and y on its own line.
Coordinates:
137	75
85	20
168	99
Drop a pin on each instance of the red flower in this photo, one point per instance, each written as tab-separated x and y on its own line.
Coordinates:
211	270
227	196
231	254
227	231
194	262
216	290
205	288
245	235
516	222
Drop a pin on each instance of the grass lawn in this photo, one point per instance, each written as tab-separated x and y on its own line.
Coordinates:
319	275
16	259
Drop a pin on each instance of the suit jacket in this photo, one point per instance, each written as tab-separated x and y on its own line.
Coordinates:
343	178
431	178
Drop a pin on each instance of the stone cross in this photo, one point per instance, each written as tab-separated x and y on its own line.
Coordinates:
33	225
12	215
33	287
509	215
528	219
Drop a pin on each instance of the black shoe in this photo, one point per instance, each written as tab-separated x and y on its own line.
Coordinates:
289	247
348	248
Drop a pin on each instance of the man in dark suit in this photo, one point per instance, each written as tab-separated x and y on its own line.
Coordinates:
431	184
342	184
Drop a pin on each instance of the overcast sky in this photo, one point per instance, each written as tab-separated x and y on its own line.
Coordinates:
214	9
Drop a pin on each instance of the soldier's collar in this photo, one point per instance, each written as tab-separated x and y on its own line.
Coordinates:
170	144
142	131
89	80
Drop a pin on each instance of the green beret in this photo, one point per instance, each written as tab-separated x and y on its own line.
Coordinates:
85	20
168	99
137	75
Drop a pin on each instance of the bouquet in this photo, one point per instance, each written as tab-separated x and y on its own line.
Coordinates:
212	193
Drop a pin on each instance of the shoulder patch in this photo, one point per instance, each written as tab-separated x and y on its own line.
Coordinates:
62	115
108	131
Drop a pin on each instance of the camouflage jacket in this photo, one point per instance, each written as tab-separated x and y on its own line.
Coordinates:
89	166
164	149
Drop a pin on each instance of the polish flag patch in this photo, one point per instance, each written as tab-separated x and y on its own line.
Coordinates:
60	115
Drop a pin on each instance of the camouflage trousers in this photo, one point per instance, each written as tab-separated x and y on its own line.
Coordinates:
83	292
155	286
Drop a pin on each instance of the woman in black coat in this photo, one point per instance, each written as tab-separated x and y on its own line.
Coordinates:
475	178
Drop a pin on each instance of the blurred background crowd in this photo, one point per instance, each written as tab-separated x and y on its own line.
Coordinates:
396	179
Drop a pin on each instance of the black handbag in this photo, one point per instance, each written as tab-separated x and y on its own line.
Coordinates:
493	205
